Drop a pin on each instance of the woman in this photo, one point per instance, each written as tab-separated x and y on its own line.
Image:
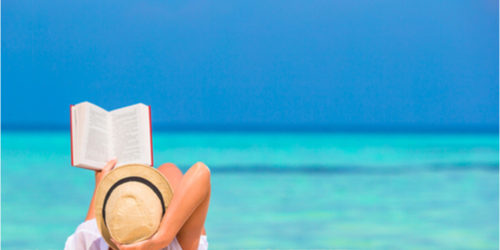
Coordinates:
182	226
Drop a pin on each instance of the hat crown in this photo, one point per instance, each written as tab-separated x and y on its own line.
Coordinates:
133	212
130	202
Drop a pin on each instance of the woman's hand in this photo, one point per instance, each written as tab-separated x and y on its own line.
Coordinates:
150	243
99	174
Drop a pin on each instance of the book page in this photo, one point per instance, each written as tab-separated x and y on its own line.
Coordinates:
130	135
95	136
74	137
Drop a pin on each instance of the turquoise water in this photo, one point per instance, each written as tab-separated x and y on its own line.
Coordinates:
279	190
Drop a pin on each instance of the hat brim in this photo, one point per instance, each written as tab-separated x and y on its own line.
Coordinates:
138	170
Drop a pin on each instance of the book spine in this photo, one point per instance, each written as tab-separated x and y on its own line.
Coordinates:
71	131
151	135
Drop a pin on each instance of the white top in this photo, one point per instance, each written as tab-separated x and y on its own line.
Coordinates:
88	237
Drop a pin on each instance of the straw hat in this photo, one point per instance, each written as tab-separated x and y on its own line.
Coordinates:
130	202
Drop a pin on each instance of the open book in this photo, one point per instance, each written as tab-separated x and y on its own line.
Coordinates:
98	135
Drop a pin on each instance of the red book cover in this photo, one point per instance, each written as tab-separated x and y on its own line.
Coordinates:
151	135
71	131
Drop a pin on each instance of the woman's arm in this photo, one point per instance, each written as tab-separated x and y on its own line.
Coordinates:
192	192
98	177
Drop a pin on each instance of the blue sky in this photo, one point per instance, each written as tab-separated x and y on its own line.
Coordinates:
255	63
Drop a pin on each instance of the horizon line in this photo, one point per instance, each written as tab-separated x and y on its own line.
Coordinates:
275	128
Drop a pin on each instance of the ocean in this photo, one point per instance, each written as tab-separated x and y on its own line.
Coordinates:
282	190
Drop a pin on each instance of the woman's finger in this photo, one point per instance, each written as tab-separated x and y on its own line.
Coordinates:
110	165
126	247
116	243
120	246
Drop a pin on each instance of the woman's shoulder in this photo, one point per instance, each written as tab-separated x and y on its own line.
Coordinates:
86	236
